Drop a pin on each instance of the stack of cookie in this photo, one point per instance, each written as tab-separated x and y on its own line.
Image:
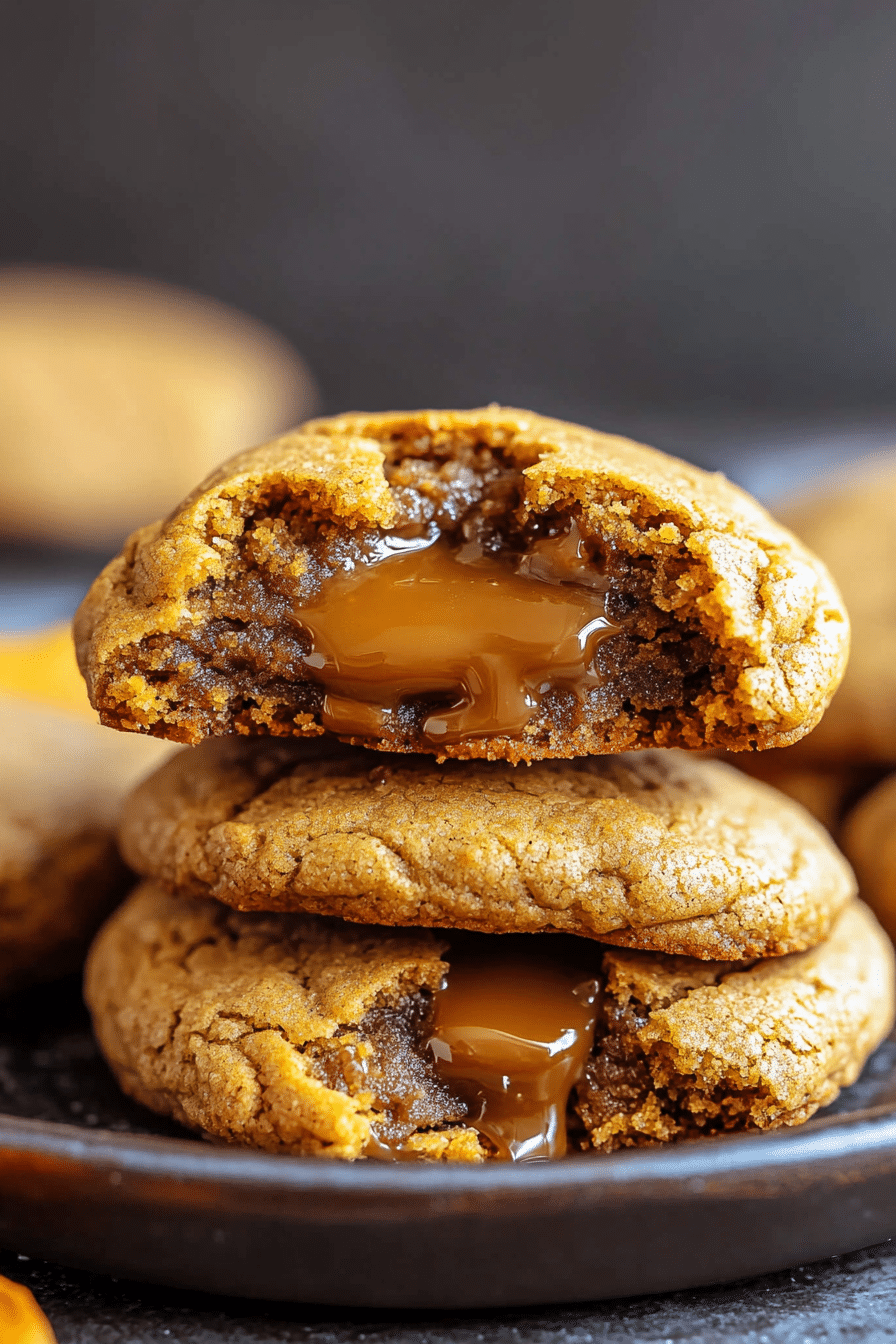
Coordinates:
430	881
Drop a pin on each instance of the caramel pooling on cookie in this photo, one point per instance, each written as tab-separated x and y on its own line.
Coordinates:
511	1036
484	637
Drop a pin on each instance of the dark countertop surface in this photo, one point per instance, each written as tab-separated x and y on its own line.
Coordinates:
849	1298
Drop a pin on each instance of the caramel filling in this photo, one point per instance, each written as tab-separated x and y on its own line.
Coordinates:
511	1034
480	637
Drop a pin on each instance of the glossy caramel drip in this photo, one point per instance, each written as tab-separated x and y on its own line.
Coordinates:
511	1034
482	637
386	1150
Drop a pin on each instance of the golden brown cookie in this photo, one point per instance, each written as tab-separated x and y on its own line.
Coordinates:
285	1032
852	526
869	838
593	595
117	394
708	1046
62	780
307	1035
660	850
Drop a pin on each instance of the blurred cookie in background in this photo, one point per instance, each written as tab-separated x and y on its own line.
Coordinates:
827	791
62	780
117	394
851	525
869	839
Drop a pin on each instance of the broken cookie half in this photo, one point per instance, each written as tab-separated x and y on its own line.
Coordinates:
301	1034
484	583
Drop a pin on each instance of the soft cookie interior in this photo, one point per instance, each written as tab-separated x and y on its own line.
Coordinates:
654	669
686	654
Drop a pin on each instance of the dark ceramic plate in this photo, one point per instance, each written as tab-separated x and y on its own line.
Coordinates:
88	1179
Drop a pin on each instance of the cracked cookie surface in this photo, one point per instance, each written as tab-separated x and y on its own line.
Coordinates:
727	632
660	850
286	1032
689	1048
63	779
300	1034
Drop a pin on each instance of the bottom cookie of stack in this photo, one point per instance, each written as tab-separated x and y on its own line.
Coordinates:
306	1034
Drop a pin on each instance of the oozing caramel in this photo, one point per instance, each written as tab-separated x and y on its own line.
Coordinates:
482	637
511	1034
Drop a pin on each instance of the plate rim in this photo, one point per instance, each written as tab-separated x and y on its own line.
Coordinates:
723	1160
250	1224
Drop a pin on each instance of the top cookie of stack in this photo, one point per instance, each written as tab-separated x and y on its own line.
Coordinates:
593	596
486	584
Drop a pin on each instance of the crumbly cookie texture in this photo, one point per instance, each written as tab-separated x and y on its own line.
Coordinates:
662	850
307	1035
852	526
285	1032
62	780
869	838
732	633
695	1047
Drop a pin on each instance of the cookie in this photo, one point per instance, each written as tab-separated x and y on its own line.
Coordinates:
63	780
117	394
730	1047
869	838
659	850
477	584
852	526
827	790
300	1034
285	1032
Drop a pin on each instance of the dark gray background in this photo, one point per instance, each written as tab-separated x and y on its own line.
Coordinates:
629	213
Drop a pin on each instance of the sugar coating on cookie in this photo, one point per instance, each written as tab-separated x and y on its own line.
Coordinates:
63	780
299	1034
286	1032
479	584
827	789
661	850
